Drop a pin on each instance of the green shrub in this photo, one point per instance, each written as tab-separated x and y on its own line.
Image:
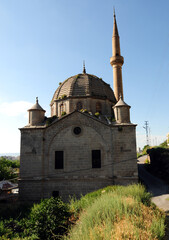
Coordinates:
63	114
49	219
144	151
77	76
139	155
147	161
163	145
9	163
84	110
15	164
46	220
159	162
4	230
97	114
111	119
63	96
146	147
50	120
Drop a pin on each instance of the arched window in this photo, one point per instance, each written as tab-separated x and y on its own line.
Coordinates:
79	106
62	108
98	107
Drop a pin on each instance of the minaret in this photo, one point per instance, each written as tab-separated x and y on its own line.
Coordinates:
116	61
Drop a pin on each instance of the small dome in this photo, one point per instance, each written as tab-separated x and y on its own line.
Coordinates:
36	106
82	85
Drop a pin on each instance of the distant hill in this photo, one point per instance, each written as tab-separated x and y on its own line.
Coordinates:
11	156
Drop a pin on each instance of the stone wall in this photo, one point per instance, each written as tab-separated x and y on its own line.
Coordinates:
31	153
124	148
34	190
39	178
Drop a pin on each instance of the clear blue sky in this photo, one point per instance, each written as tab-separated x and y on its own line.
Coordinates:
43	42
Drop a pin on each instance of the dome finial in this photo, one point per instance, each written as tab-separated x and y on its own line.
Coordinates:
84	69
36	99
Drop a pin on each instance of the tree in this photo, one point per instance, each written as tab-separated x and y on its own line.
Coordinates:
7	169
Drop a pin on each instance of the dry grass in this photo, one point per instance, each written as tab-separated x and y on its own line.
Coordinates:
117	217
136	227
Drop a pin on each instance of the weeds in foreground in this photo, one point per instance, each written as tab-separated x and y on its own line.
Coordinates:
117	212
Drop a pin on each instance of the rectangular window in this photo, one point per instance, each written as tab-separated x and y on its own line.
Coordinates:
59	160
96	159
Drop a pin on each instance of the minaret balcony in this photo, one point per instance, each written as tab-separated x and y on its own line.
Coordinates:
117	60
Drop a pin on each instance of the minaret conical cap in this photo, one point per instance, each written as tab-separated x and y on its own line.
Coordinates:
121	103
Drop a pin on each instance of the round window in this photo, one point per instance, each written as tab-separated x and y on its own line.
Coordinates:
77	130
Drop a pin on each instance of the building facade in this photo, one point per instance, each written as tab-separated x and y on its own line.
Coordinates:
87	143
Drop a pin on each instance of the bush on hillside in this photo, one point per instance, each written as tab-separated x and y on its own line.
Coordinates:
46	220
49	219
163	145
144	151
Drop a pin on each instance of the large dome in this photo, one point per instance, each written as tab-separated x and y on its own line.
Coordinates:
84	85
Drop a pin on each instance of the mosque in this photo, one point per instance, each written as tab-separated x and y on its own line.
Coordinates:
87	143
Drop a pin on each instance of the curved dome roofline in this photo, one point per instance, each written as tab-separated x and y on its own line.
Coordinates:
82	85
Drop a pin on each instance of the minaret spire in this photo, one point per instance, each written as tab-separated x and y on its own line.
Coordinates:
115	29
116	61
